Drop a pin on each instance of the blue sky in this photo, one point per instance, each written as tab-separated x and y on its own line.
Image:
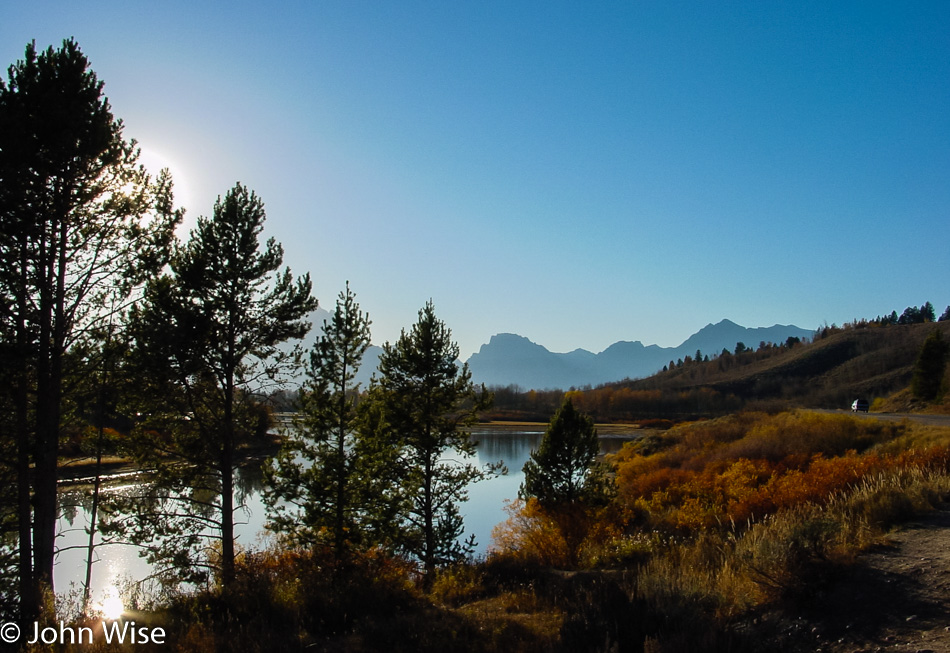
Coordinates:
577	173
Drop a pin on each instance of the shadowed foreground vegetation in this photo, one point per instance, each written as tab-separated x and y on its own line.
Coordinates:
718	533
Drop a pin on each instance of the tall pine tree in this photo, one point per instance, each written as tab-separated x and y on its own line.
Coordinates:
559	472
430	403
315	481
82	226
207	343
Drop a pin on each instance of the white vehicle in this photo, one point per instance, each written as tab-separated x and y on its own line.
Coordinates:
859	406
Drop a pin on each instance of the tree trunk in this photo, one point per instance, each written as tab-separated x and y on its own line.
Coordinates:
48	386
428	526
227	487
29	598
91	548
340	539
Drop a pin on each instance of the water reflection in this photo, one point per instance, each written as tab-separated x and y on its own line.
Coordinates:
514	448
482	512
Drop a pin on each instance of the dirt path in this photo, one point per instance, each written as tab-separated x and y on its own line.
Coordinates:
896	598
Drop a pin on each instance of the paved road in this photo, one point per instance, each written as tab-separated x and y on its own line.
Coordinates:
930	420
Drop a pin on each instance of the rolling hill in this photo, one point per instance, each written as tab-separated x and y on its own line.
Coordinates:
869	362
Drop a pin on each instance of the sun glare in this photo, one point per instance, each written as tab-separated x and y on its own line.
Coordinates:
154	162
111	606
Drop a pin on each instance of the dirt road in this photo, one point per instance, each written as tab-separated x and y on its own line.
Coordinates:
894	598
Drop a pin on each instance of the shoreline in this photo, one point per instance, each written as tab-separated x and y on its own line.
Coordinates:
81	469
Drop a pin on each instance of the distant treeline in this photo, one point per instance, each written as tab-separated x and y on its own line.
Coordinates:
911	315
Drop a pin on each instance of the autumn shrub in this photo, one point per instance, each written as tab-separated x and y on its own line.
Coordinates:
529	535
369	586
884	500
697	584
457	584
743	467
627	551
293	600
565	537
692	589
786	554
602	616
718	517
916	436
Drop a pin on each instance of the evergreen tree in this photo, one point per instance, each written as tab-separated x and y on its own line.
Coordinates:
562	480
559	472
315	481
82	226
911	315
927	381
429	403
207	341
927	312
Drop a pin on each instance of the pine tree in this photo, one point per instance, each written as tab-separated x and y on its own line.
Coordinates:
927	381
207	341
315	480
562	480
429	404
559	472
82	226
927	312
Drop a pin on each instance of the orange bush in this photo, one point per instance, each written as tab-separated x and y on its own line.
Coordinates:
564	538
746	466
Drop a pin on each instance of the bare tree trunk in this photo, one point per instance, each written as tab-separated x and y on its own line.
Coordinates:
91	548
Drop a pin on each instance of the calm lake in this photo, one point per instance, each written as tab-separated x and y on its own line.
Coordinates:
510	443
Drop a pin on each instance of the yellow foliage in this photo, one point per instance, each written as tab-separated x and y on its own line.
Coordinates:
743	467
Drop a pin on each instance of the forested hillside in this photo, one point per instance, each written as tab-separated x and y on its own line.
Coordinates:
867	359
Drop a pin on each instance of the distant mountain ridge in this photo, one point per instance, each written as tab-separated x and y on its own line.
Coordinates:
510	359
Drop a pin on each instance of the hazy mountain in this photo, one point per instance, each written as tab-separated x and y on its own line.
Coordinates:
712	338
370	358
512	359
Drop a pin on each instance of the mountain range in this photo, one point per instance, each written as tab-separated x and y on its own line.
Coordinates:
510	359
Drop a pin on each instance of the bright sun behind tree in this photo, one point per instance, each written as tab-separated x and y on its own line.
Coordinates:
111	606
